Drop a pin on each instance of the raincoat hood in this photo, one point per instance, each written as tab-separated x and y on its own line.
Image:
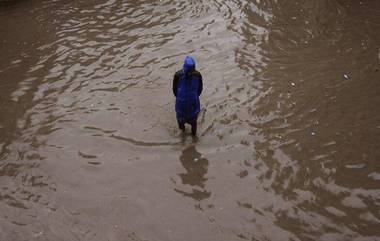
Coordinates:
189	64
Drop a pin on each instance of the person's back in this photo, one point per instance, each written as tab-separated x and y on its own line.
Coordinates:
187	87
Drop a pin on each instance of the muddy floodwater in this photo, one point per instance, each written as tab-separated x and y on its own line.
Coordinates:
288	143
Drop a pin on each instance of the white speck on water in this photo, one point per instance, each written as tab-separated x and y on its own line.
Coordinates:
355	166
293	84
196	159
312	133
346	76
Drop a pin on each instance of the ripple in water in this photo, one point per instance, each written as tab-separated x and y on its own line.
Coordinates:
288	134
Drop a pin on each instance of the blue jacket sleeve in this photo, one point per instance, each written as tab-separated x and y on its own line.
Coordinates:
175	84
200	85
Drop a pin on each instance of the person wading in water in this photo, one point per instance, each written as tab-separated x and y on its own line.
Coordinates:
187	87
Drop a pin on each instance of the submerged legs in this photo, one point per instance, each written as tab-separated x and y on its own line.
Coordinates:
193	123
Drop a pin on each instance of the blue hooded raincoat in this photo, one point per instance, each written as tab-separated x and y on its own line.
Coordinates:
189	86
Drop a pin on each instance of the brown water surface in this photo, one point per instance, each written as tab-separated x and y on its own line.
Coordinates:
288	143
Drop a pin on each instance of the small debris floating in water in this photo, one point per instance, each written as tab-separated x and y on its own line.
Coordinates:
346	76
293	84
279	136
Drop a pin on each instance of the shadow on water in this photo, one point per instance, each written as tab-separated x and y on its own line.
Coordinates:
196	168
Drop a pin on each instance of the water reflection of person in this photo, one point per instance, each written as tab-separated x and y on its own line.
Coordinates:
196	169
